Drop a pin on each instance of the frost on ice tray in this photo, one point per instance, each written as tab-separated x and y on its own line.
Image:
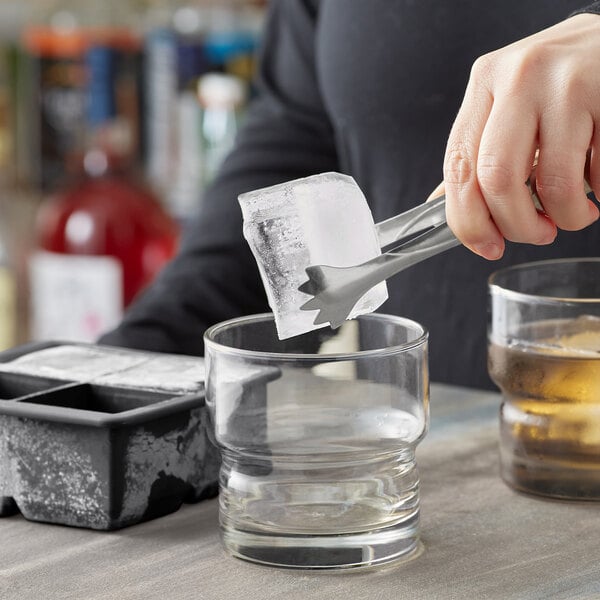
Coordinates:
166	372
105	365
318	220
74	362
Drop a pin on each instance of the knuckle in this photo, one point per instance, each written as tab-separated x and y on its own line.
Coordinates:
495	178
483	67
458	166
526	67
573	85
530	59
533	59
571	98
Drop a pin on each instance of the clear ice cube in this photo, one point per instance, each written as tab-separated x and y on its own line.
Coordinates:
319	220
582	335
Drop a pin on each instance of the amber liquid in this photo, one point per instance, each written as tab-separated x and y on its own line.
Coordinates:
550	417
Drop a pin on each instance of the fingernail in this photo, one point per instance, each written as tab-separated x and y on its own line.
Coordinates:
490	251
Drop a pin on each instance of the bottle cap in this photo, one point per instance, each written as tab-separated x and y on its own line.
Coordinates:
72	43
218	89
48	42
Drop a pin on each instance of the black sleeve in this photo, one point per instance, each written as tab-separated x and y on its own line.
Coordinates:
286	135
594	7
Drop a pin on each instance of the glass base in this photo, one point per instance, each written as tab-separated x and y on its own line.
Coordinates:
345	551
553	480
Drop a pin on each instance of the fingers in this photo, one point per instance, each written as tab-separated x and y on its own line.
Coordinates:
466	210
504	164
536	94
564	140
485	174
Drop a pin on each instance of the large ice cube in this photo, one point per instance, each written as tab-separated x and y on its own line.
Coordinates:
318	220
581	336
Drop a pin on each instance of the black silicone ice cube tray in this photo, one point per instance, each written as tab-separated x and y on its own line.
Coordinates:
89	453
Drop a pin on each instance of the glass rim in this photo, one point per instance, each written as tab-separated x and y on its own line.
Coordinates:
296	357
494	286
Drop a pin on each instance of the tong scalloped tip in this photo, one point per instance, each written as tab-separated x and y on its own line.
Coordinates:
336	290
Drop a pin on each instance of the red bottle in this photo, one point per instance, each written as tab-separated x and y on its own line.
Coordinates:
104	237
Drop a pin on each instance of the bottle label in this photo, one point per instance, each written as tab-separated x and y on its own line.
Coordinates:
8	309
74	298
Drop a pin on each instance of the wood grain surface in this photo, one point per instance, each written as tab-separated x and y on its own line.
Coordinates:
480	540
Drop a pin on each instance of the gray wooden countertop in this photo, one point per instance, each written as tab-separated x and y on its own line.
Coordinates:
480	540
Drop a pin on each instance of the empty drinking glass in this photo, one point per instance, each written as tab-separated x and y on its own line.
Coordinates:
318	436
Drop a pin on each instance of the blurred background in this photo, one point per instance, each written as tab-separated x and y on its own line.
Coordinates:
114	116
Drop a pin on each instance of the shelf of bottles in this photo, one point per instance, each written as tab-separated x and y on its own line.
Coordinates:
114	118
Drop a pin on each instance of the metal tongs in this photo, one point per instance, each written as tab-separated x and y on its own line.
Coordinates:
336	290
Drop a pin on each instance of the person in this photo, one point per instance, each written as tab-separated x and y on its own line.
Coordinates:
375	90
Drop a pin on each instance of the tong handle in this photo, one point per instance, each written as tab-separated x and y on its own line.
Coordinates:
415	220
406	254
437	239
433	213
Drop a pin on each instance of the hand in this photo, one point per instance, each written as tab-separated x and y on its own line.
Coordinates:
540	93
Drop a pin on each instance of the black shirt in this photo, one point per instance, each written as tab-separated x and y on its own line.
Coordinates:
367	88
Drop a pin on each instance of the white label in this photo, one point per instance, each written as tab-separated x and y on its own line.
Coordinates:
74	297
